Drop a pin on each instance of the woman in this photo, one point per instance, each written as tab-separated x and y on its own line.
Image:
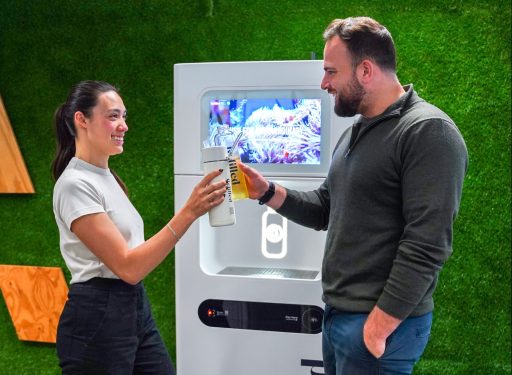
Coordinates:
106	326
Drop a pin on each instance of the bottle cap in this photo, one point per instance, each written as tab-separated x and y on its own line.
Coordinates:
215	153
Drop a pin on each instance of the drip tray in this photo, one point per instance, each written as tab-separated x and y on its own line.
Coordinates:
271	273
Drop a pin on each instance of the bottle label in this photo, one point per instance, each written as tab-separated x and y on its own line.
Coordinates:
237	180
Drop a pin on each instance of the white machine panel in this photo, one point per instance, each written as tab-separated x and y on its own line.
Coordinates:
248	296
198	278
193	81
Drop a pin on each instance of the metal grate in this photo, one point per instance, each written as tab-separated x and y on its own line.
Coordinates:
281	273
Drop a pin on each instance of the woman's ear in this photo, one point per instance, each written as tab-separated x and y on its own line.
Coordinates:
80	120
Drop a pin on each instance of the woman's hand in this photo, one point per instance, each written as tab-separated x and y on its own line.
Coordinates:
257	185
206	195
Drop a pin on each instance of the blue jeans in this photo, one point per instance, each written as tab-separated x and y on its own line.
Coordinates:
106	327
345	353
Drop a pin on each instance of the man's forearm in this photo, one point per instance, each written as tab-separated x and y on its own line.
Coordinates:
278	199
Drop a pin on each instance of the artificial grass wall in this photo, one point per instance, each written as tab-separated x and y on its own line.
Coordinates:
457	54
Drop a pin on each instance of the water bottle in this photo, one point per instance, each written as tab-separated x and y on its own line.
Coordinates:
215	158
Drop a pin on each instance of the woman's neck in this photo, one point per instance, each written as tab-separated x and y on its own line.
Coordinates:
90	157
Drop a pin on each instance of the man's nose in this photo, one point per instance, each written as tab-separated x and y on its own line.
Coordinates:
324	85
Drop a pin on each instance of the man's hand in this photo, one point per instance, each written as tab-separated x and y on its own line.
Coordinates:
377	329
257	185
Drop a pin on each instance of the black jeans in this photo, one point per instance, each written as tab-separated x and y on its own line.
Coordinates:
106	327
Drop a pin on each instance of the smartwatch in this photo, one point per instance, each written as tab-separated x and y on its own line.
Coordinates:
268	194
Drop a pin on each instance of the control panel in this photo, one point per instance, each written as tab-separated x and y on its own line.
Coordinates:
262	316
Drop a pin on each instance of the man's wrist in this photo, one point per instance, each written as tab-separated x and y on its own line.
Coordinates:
267	196
381	323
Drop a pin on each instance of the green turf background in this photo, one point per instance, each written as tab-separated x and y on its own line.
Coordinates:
457	54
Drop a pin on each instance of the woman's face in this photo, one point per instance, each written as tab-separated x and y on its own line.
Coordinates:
107	126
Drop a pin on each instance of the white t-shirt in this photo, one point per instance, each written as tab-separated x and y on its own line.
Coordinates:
84	189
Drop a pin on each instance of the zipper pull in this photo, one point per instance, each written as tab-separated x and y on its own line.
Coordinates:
348	153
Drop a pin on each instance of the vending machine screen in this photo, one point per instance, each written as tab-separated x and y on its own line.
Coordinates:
275	130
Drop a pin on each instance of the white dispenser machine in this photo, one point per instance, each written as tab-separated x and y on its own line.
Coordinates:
248	295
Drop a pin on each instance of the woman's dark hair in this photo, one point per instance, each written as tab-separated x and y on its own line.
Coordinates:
83	97
365	39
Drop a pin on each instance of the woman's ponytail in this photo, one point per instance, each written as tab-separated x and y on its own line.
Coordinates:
65	137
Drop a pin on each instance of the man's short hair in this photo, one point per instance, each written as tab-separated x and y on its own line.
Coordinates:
365	39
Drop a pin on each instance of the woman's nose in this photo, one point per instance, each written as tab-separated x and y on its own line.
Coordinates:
123	125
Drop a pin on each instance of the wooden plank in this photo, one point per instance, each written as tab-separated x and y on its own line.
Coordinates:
35	297
14	177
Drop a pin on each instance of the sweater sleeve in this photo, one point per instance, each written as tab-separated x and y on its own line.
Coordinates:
310	209
433	164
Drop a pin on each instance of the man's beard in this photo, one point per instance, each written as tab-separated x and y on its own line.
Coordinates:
348	105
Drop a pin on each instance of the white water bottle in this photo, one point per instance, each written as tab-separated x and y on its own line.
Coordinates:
215	158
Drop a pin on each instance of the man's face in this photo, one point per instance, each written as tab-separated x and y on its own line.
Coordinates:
340	79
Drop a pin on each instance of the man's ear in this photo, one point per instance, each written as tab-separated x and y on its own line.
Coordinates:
365	71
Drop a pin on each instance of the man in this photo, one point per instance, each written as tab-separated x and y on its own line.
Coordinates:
388	203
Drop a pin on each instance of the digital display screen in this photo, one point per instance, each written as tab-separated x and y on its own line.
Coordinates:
275	131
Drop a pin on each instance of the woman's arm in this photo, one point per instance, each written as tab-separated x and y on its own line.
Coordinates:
103	238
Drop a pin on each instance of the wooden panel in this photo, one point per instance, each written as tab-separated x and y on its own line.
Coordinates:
35	297
14	177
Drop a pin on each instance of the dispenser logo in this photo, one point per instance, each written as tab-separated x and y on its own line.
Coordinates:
274	235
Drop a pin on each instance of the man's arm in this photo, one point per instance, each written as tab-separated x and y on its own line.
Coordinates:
434	159
309	209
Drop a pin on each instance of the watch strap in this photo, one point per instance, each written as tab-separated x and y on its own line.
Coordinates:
268	194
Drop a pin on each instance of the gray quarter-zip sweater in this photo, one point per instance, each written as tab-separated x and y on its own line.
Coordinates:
388	203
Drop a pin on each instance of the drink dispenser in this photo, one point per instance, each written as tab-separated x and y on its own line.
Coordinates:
248	295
